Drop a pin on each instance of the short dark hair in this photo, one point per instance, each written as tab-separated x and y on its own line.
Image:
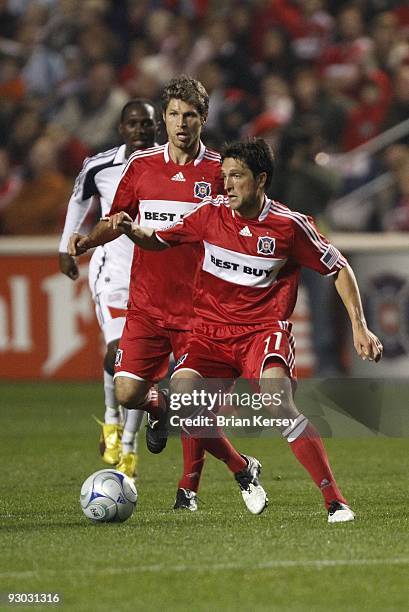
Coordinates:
139	102
188	90
255	153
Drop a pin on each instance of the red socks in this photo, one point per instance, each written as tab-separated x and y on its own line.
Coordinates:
310	452
194	448
193	461
222	449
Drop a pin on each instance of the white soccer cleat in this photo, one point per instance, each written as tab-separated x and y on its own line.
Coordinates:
252	492
340	513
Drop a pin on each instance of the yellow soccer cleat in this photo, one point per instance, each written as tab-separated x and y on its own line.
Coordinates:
127	464
110	442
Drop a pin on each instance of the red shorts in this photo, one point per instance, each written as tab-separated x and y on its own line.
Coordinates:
239	350
145	347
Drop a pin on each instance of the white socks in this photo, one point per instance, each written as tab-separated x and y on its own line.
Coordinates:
109	391
132	418
132	423
112	416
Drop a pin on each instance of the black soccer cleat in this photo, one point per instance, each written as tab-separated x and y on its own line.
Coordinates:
157	429
185	500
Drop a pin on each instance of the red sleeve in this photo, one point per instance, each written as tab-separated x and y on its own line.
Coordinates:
125	197
312	250
189	229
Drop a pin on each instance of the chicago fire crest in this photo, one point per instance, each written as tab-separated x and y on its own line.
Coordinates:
266	245
202	190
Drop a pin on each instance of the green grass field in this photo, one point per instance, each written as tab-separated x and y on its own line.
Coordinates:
220	558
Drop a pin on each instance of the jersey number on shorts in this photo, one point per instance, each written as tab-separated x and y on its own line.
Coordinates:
278	336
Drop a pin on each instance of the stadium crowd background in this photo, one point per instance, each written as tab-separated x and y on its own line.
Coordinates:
316	78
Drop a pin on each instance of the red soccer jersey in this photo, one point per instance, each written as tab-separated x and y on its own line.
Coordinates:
250	267
157	192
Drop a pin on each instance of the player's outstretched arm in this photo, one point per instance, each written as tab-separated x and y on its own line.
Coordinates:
367	345
144	237
100	234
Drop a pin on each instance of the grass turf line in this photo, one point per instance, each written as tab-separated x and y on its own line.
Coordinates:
220	558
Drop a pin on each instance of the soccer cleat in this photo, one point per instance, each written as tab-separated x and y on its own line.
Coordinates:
127	464
110	442
157	429
252	492
185	499
339	513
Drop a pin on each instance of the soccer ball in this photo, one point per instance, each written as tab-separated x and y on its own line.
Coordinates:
108	496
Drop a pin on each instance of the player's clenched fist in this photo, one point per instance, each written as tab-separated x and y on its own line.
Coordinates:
367	345
78	244
68	265
120	221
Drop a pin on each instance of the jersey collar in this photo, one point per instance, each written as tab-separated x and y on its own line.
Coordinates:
196	162
120	155
265	210
262	215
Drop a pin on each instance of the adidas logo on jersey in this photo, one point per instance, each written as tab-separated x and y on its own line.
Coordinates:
245	231
178	177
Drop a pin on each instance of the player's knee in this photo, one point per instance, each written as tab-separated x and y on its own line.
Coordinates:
185	381
109	359
185	394
128	393
125	397
282	404
284	410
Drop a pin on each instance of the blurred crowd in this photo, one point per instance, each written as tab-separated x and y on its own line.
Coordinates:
316	78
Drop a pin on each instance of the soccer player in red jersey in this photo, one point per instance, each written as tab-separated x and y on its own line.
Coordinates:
109	270
158	187
252	249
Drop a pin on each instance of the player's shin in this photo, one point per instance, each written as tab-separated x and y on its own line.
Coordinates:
111	432
306	444
211	436
128	461
220	447
200	423
193	462
112	411
153	403
132	424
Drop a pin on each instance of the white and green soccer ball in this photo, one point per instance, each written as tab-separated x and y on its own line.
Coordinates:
108	496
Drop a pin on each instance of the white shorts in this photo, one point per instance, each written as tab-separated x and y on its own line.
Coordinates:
110	267
108	277
110	308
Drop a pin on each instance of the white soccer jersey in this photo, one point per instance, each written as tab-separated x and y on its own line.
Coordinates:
110	264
